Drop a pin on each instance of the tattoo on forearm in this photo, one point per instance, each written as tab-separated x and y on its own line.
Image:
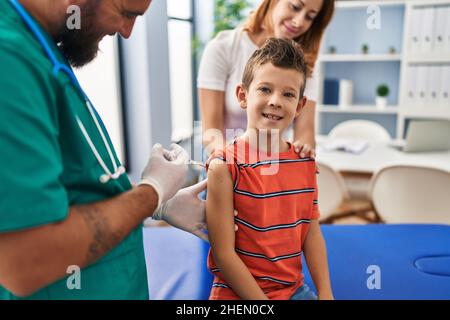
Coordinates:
138	206
104	238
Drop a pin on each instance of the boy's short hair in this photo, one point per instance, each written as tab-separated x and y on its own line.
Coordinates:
281	53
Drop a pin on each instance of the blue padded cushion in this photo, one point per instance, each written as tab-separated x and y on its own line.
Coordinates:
414	261
439	266
176	265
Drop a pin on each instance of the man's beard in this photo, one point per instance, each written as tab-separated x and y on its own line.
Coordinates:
80	46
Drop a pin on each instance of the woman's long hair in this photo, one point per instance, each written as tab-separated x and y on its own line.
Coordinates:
310	40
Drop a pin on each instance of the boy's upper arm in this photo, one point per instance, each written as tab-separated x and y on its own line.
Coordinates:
314	227
219	206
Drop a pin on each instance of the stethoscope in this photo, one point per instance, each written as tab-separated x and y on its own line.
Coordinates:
59	67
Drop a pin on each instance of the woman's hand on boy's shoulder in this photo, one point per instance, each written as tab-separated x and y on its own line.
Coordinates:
304	150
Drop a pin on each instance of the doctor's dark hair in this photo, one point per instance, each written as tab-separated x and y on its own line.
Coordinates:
281	53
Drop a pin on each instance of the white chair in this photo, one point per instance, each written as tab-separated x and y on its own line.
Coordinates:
334	199
332	190
411	194
360	129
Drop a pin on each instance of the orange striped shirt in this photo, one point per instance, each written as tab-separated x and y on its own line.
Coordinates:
275	211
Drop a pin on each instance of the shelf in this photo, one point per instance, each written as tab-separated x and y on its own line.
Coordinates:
359	57
367	109
429	112
429	58
378	66
422	3
365	4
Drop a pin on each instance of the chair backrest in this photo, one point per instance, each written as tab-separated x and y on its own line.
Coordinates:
411	194
332	190
360	129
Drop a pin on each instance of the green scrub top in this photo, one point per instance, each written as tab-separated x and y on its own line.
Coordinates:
46	165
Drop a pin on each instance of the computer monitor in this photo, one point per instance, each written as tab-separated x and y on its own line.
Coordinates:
428	136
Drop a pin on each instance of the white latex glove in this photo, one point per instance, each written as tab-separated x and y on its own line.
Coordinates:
185	211
166	171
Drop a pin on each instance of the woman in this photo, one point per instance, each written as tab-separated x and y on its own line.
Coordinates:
225	57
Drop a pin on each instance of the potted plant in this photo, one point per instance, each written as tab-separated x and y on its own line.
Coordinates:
382	93
365	48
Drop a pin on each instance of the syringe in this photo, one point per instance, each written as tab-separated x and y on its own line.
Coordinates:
196	163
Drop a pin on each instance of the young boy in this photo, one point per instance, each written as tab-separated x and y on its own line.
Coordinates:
274	191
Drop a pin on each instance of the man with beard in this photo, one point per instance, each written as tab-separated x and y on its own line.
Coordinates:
66	204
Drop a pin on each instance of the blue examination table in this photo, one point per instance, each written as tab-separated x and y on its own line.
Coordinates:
366	262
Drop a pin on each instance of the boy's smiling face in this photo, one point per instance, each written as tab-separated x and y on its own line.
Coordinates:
273	99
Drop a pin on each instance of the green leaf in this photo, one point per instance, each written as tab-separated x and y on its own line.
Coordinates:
228	14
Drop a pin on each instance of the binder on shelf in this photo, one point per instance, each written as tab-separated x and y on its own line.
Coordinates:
415	30
440	27
331	92
427	26
445	87
422	86
411	87
434	86
447	32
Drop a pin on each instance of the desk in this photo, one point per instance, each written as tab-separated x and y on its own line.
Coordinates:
378	155
357	169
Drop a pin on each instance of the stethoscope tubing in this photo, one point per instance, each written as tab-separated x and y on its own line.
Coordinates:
60	67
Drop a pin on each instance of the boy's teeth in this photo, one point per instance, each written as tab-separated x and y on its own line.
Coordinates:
272	117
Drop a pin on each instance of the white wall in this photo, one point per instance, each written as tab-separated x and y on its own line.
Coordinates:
101	82
147	86
204	19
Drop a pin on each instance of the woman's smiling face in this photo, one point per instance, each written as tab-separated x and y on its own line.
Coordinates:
292	18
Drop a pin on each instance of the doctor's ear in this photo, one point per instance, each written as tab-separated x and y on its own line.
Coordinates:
241	95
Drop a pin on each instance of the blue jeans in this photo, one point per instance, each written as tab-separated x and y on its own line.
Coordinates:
304	293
